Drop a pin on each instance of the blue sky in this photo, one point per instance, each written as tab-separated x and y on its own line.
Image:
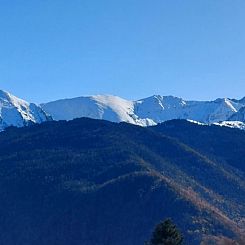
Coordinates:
131	48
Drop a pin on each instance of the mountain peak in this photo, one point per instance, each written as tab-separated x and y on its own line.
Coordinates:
144	112
17	112
154	109
4	94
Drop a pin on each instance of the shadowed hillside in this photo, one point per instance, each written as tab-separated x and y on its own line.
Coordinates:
94	182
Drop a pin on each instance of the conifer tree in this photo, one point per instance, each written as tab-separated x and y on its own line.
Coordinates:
166	233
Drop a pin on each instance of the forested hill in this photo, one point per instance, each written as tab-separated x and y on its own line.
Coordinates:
222	143
95	182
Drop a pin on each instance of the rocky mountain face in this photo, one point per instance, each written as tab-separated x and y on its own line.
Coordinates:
96	182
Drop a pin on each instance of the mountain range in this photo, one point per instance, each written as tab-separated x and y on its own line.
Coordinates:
70	179
145	112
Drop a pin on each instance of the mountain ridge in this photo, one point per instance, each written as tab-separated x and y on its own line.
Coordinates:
144	112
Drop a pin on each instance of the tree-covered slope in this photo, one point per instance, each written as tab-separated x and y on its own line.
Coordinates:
222	143
95	182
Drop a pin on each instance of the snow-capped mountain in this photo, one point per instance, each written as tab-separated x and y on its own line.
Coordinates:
144	112
17	112
107	107
163	108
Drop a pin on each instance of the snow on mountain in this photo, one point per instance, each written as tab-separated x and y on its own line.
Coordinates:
239	116
232	124
17	112
144	112
163	108
105	107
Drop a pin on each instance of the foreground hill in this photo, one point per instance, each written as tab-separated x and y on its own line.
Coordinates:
224	144
95	182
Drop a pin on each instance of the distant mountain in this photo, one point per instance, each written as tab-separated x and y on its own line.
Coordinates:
239	116
144	112
107	107
95	182
17	112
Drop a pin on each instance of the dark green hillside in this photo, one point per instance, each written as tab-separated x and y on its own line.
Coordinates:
221	143
94	182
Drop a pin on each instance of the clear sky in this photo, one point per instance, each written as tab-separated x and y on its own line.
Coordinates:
52	49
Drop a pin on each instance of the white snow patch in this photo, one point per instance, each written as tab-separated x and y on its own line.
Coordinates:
144	112
17	112
231	124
